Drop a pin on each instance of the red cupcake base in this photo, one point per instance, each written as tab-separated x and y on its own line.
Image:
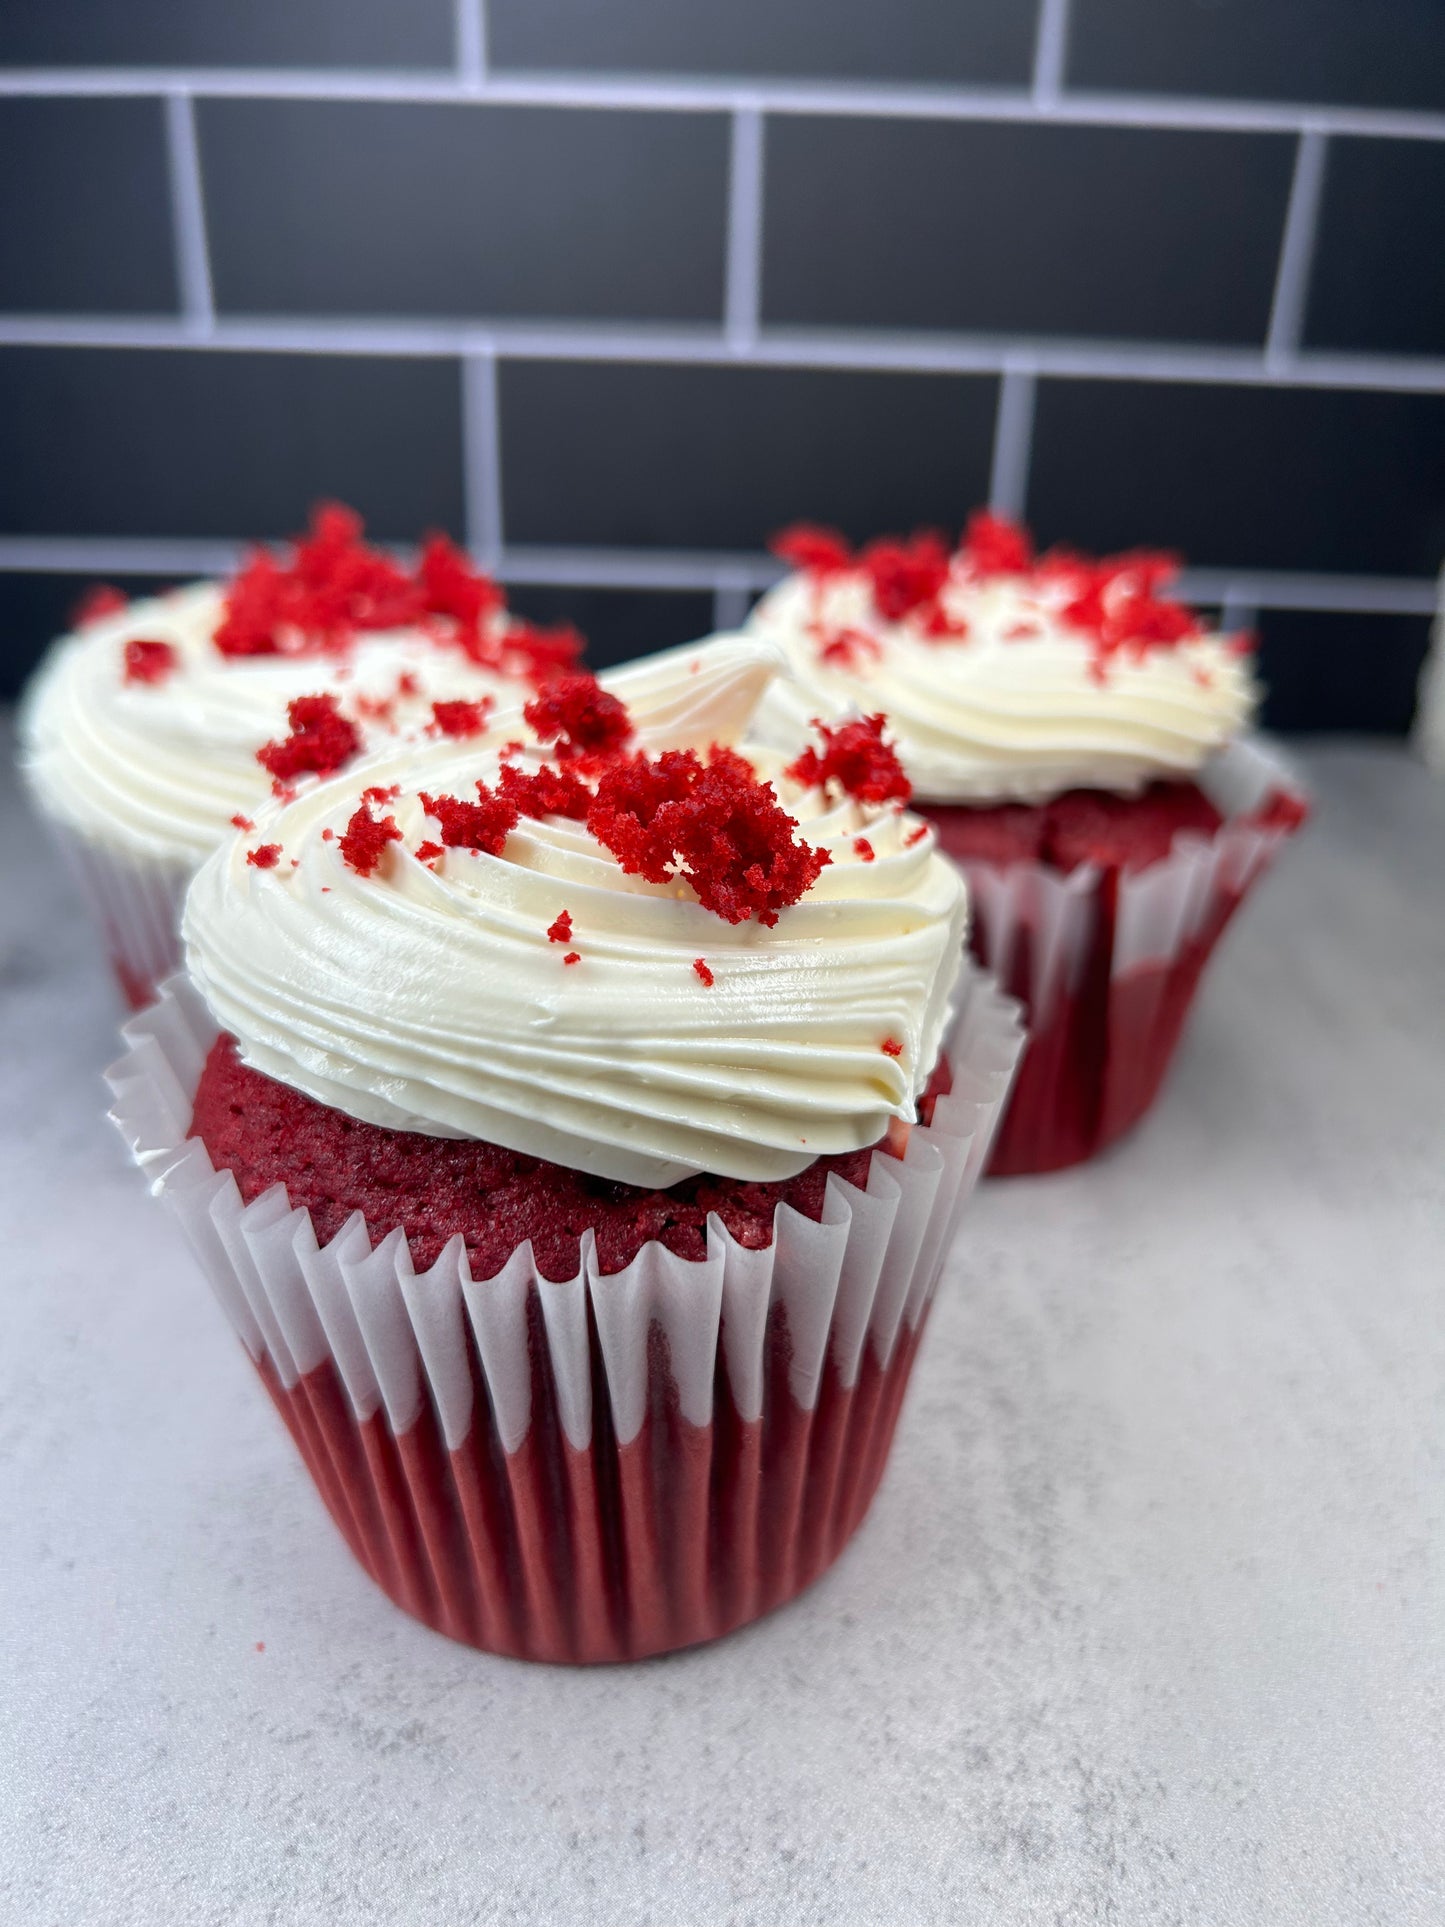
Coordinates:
614	1552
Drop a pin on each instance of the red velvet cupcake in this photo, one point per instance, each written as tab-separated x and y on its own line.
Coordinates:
1077	738
574	1127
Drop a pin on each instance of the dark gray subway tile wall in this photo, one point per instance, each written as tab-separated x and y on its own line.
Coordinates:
617	455
618	623
1366	53
337	207
242	33
1244	477
1322	669
931	212
85	219
905	40
151	443
37	604
1379	276
1126	232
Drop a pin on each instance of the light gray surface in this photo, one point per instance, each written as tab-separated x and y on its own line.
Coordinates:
1147	1625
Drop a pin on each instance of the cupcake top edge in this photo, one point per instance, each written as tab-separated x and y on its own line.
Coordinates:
141	728
600	933
1007	675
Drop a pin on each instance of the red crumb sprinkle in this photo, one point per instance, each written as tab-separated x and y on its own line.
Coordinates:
376	709
328	835
891	1047
376	794
915	836
366	838
1021	631
818	551
581	717
849	649
265	857
103	600
712	823
149	661
699	965
546	792
994	545
317	598
452	587
483	825
906	575
561	930
407	684
863	848
855	756
428	852
321	742
461	718
260	1645
240	822
573	956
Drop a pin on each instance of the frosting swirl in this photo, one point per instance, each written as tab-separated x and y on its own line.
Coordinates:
435	993
158	768
995	688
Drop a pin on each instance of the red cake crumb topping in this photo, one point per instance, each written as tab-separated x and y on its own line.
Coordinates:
581	717
561	930
573	956
147	661
366	839
429	852
864	849
452	586
713	823
994	545
321	742
240	822
330	587
461	718
700	968
854	756
98	602
915	836
376	794
328	835
265	857
849	649
815	550
483	825
546	792
906	575
891	1047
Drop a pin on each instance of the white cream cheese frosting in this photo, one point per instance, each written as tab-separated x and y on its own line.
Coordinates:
158	769
993	692
436	996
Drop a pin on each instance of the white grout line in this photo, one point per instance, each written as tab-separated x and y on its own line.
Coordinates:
1236	612
1297	249
482	458
729	608
736	573
1051	37
744	229
687	95
471	45
1013	435
943	354
188	216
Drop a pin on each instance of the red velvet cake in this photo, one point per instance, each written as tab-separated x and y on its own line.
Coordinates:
1052	711
625	1089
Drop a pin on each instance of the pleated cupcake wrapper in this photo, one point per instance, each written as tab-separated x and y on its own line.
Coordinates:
136	902
607	1466
1106	963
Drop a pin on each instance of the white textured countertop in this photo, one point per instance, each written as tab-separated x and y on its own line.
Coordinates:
1147	1625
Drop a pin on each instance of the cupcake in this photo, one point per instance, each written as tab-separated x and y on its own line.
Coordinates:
1079	740
573	1123
160	727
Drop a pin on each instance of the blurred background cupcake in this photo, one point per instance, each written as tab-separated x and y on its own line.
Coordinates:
573	1122
162	725
1077	736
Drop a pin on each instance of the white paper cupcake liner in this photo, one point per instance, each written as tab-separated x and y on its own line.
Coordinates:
523	1386
135	902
